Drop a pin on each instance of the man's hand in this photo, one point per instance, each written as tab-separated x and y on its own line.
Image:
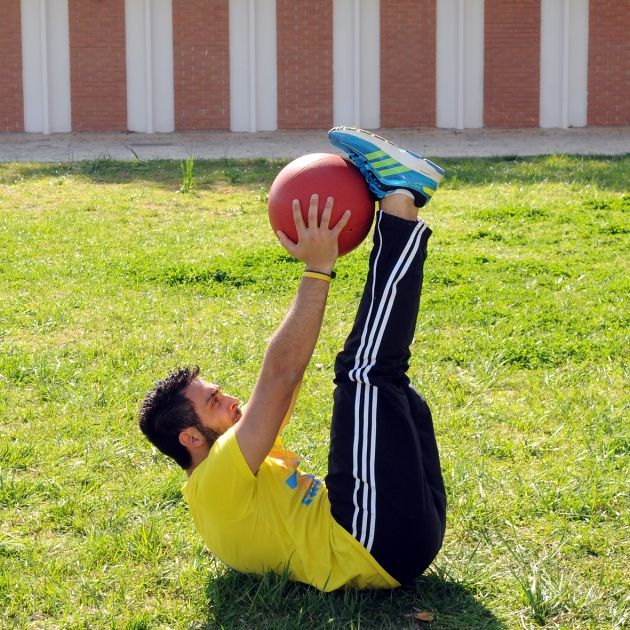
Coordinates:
317	245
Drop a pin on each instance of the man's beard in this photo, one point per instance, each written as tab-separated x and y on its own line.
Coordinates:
210	435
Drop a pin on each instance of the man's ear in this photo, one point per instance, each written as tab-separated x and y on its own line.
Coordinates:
191	438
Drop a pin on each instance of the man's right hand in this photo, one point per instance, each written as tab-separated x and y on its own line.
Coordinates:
317	246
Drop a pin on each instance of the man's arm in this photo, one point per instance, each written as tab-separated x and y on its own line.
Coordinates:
289	413
291	347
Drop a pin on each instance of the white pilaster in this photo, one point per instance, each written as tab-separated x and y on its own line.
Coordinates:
563	63
459	81
578	66
43	31
356	63
356	22
148	66
46	66
150	84
253	123
253	65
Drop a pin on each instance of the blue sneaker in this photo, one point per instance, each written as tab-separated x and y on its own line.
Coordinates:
386	166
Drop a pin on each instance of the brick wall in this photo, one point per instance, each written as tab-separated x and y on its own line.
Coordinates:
609	63
201	52
98	74
408	57
11	94
305	56
512	63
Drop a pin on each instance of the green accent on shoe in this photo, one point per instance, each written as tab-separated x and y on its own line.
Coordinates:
428	191
394	171
376	154
382	163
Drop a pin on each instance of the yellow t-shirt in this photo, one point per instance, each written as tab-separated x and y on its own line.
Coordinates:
279	517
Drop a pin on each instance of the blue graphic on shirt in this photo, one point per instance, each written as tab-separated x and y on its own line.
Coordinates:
303	482
310	483
312	493
292	481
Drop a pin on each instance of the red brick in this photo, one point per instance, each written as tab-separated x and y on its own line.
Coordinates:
201	50
98	70
11	90
609	63
305	56
408	63
512	63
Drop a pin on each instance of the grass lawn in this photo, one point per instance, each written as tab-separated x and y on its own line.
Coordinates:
109	278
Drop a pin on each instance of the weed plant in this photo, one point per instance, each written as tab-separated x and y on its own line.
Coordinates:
188	182
109	278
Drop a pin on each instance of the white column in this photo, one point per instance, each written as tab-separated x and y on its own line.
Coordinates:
251	10
356	58
43	28
148	67
356	63
266	66
46	66
563	63
253	66
370	93
578	66
59	95
343	63
150	82
162	66
459	80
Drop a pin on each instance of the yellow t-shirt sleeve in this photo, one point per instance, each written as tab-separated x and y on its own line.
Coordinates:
224	479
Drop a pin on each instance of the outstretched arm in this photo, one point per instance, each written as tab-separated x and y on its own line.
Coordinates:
291	347
289	413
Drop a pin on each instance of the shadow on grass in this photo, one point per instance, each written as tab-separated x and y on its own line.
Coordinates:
164	174
272	602
606	172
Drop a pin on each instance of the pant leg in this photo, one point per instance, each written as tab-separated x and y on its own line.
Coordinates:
384	479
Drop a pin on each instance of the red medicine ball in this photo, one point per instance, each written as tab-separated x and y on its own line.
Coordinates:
329	176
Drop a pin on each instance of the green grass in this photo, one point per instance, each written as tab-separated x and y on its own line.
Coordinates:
109	278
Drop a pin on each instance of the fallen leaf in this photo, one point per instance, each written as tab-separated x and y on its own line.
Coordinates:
424	616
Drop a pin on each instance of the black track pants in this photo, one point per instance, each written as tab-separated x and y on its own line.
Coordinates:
384	478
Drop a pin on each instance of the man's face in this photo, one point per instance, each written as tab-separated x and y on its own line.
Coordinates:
217	410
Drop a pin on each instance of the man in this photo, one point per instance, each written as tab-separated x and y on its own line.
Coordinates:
378	520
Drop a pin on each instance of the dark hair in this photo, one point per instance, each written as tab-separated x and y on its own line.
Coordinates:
166	411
